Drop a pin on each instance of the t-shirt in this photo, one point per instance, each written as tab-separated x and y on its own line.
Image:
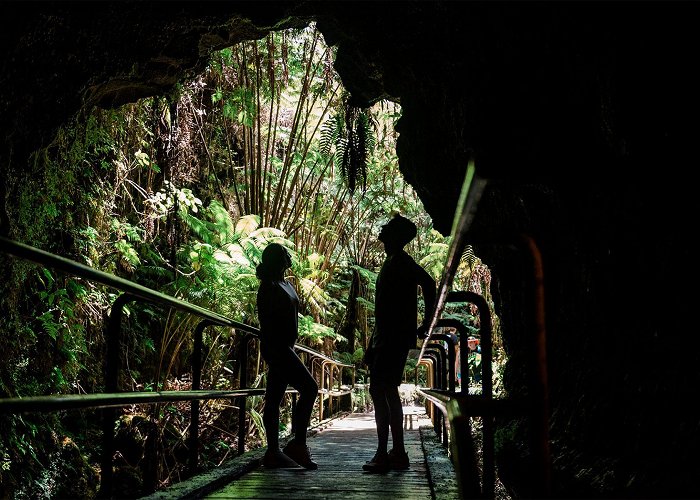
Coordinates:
396	301
278	314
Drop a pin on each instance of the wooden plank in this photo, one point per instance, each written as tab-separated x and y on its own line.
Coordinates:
340	451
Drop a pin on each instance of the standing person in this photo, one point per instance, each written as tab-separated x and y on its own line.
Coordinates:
278	306
474	358
396	315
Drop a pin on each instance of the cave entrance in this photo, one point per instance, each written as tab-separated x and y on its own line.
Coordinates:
263	145
181	192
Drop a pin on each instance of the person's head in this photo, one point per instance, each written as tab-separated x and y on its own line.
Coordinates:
396	233
472	342
275	259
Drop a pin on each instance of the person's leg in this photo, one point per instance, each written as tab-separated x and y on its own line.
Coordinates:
393	399
386	373
381	415
301	379
397	456
274	392
380	460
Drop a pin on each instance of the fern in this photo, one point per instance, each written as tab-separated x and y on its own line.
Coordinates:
247	224
331	134
468	256
221	222
200	228
349	138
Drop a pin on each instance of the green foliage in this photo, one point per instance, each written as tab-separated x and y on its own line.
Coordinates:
144	161
434	259
315	333
171	198
259	149
218	264
348	136
60	321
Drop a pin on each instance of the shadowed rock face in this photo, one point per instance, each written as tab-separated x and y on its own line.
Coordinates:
583	118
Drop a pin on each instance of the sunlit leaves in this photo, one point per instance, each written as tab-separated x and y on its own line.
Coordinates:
315	332
247	224
127	252
434	259
144	161
170	197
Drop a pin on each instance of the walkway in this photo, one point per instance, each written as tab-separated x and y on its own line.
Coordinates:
340	450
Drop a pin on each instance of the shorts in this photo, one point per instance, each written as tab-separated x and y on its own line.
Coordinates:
387	367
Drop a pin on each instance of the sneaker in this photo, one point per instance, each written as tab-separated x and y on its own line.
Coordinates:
276	459
300	454
379	463
398	460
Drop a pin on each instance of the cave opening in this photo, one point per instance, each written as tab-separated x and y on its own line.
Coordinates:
180	191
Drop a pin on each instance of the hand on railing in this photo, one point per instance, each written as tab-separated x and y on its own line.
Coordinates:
422	332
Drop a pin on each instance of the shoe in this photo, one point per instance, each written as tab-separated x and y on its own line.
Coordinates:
300	454
398	460
379	463
276	459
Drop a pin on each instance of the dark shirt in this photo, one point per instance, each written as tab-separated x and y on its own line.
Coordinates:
396	301
278	309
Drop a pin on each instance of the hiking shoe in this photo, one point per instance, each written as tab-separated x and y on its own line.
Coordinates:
276	459
379	463
398	460
300	454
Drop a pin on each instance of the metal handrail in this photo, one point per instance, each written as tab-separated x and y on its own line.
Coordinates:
307	349
69	266
322	361
485	400
456	407
472	189
112	399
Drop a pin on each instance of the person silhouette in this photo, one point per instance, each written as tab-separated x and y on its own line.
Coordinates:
278	306
395	333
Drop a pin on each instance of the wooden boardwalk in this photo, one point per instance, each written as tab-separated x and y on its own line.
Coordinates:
340	451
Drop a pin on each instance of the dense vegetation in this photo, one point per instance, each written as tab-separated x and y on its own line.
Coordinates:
181	193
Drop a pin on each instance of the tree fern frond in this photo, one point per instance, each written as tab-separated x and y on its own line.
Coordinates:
369	276
358	145
247	224
156	272
468	256
199	227
331	134
221	222
316	298
341	147
237	254
270	233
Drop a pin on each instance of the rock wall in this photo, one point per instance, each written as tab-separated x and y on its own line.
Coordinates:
583	118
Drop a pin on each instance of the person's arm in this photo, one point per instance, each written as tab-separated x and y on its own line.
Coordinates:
429	289
368	356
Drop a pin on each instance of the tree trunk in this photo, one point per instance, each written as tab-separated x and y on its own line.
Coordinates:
349	325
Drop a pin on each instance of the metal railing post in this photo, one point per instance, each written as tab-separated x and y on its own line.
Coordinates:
243	400
439	351
196	385
113	342
434	364
451	355
488	429
444	361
